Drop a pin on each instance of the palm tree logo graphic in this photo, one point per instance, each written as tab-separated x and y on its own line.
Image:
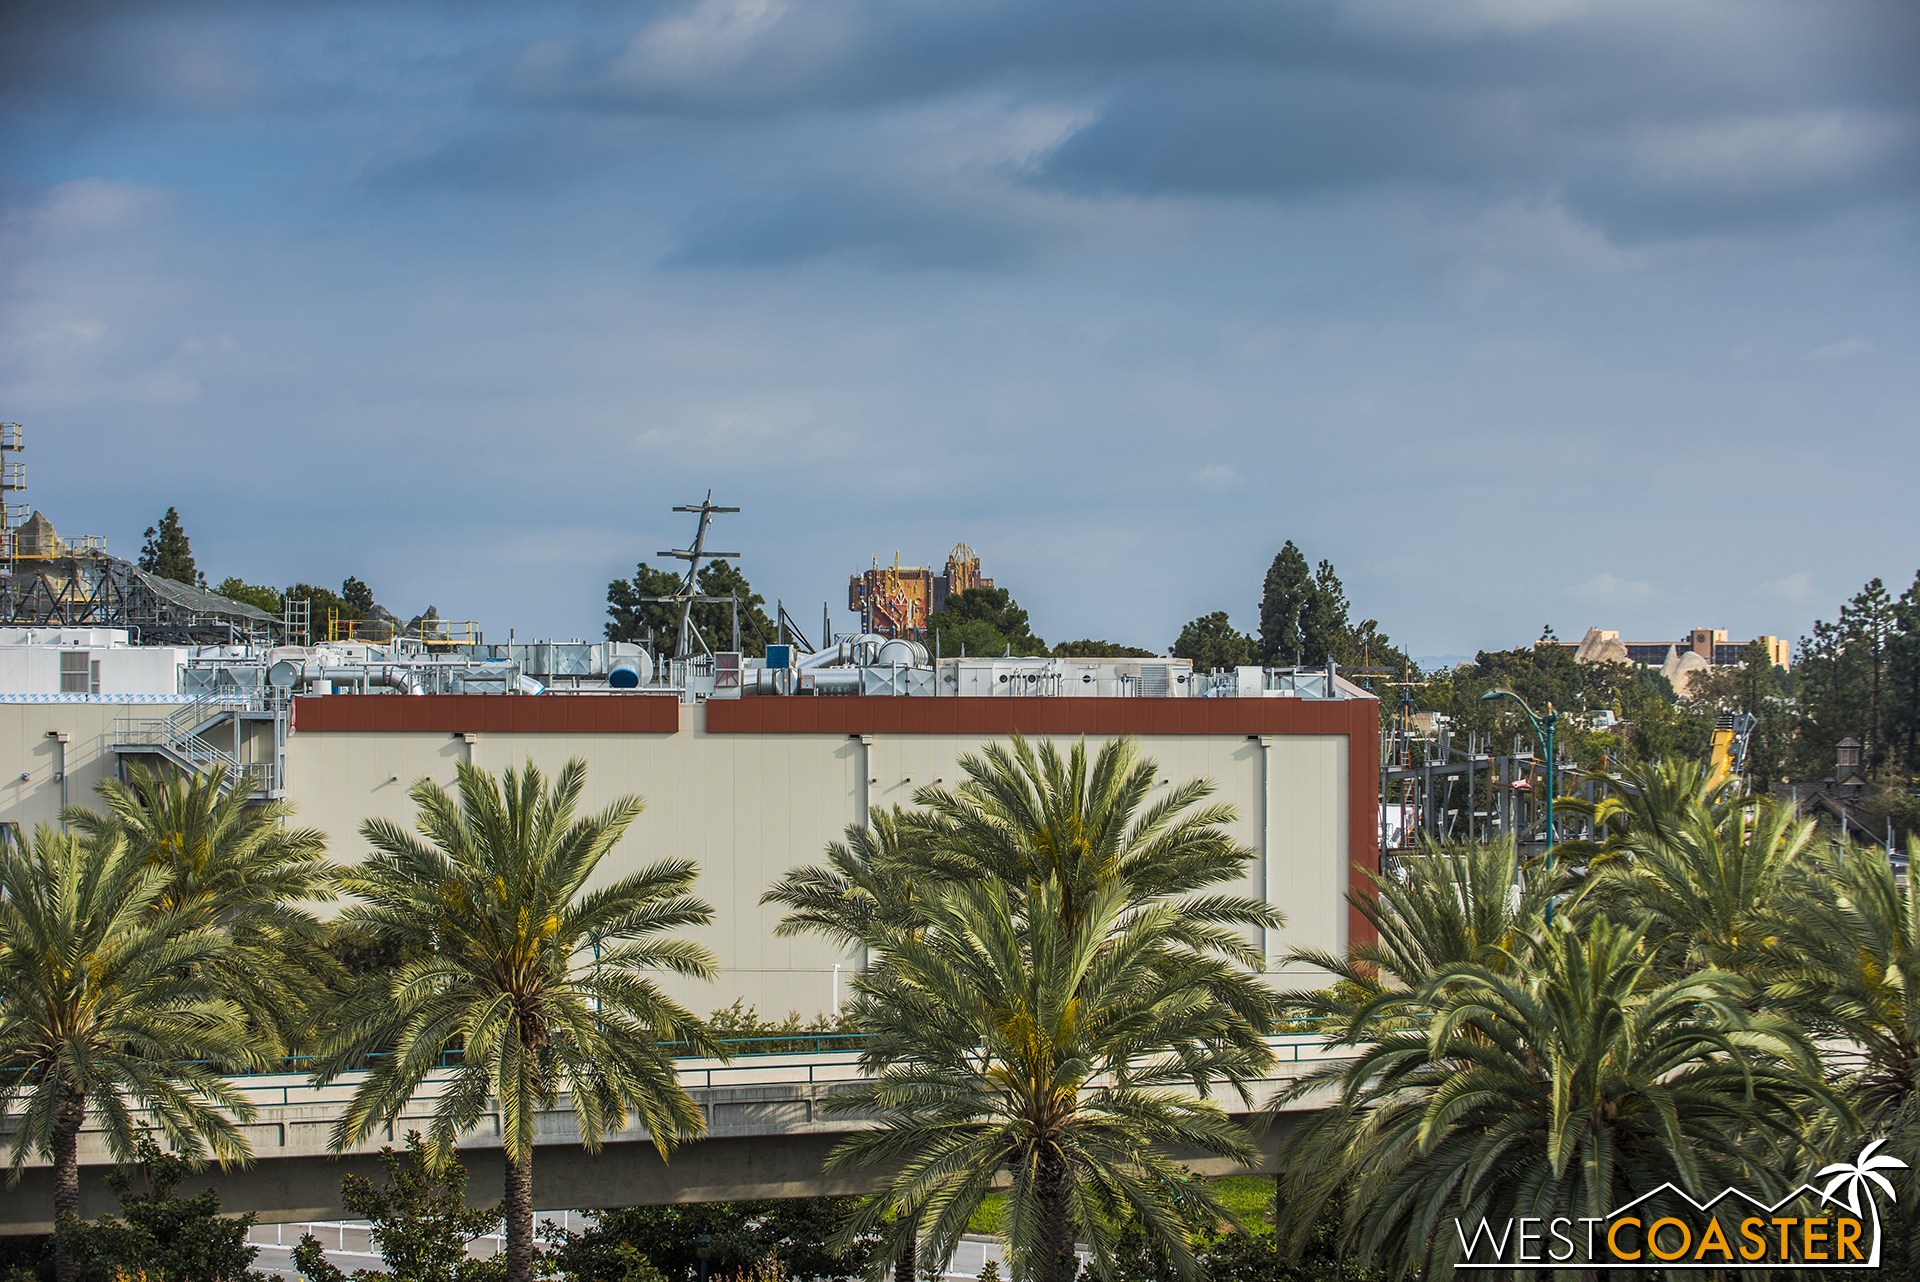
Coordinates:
1854	1177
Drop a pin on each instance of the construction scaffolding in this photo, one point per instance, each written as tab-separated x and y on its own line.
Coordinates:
84	587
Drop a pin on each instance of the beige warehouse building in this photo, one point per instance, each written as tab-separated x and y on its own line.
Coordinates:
748	788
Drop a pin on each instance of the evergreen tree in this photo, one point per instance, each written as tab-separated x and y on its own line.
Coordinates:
1844	681
1091	649
1902	717
715	619
960	621
357	597
633	618
261	597
353	601
1213	643
1284	604
167	551
1323	626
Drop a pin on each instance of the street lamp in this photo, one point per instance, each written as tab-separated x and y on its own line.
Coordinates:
1545	736
703	1247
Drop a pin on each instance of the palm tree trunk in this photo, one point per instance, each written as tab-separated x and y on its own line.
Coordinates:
517	1207
1055	1247
66	1175
906	1265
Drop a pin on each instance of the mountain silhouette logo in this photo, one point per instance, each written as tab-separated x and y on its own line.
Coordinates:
1834	1227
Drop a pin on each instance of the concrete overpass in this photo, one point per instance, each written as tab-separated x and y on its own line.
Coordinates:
766	1137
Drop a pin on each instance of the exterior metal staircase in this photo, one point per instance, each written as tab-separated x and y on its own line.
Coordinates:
182	738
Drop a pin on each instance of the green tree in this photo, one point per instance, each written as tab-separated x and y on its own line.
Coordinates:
421	1223
158	1235
1849	966
793	1231
356	596
1045	1034
107	998
1304	619
1286	604
1213	644
715	620
1091	649
1449	906
353	602
986	620
1903	681
869	887
1564	1086
1022	814
262	598
635	619
1706	889
237	869
546	986
1323	624
168	552
1843	678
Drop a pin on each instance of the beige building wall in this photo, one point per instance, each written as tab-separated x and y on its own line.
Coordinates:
748	807
28	748
745	807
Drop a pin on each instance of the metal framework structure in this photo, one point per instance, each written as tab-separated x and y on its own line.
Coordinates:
88	588
13	484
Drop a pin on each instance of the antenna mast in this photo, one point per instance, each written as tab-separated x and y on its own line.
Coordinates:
689	591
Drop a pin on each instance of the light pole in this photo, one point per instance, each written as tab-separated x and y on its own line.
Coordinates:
703	1247
1544	735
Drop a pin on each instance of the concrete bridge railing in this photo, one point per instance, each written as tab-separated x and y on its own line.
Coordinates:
766	1137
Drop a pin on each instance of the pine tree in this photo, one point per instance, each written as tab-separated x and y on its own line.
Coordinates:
167	551
1284	604
1213	644
1903	680
633	618
1324	628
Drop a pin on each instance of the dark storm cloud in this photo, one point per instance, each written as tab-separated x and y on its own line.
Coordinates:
1653	119
1672	118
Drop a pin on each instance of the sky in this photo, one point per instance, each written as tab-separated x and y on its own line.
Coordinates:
1520	312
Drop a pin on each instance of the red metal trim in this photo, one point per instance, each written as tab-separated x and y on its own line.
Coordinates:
852	714
487	714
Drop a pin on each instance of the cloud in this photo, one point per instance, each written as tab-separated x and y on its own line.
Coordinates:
1794	589
92	205
1216	477
1609	589
1841	350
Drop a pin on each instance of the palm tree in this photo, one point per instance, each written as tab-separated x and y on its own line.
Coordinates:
544	985
107	1000
1709	887
1064	1035
869	885
1452	904
1641	809
1564	1082
1024	815
238	867
1849	966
